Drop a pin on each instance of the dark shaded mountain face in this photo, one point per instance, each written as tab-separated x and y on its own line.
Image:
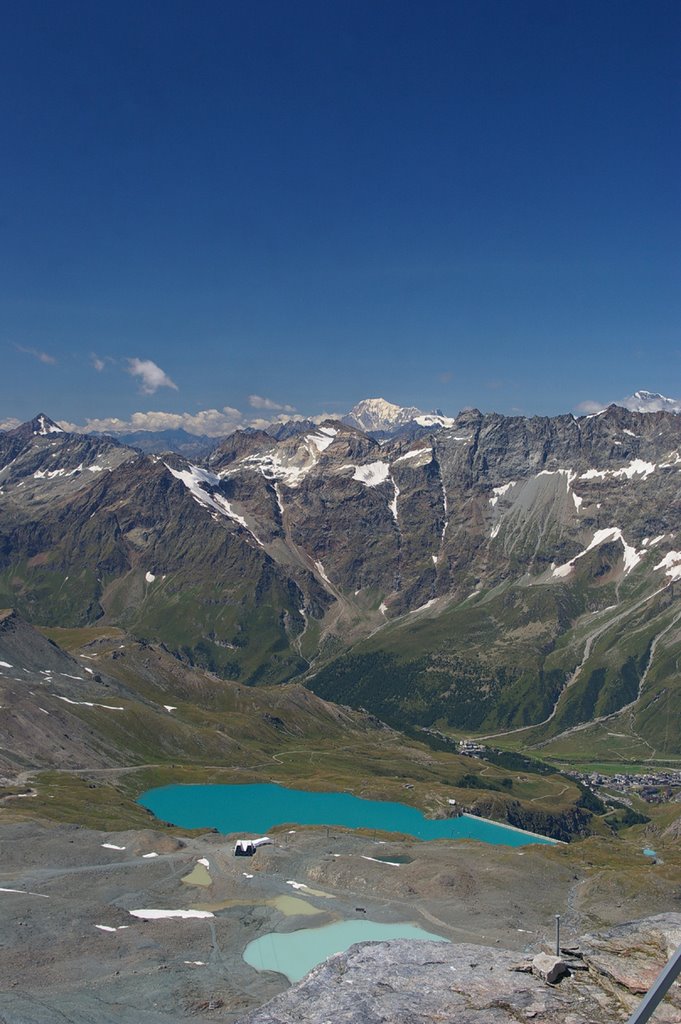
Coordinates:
498	572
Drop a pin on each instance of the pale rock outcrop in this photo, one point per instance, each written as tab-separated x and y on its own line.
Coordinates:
428	982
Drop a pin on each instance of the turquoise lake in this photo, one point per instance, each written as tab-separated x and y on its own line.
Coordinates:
258	807
296	953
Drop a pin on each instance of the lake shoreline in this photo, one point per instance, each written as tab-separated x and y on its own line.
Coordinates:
246	808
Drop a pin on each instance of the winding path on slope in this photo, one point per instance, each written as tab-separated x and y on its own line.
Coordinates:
627	707
588	646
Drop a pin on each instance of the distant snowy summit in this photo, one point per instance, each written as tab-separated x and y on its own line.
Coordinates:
376	415
650	401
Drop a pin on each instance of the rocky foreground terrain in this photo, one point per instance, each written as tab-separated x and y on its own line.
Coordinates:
79	942
424	983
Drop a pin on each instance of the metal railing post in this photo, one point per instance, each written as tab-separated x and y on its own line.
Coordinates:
658	990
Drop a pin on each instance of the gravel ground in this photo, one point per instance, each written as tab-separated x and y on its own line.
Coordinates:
57	966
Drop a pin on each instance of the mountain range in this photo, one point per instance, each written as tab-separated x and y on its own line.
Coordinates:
477	574
375	416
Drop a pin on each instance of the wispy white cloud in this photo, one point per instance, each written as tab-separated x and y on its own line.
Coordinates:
258	402
98	363
212	422
589	406
151	375
43	357
10	423
259	422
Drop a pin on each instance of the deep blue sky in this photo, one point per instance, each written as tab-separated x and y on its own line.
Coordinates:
443	203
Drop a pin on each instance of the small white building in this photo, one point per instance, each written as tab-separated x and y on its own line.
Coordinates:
247	847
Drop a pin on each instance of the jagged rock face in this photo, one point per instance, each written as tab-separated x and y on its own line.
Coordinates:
428	982
478	547
40	453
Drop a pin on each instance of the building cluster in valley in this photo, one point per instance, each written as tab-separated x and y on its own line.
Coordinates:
471	747
654	787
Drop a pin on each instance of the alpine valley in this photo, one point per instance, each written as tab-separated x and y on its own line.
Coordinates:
477	612
472	575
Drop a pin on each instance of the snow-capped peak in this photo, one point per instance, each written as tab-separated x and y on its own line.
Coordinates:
40	426
43	425
379	415
650	401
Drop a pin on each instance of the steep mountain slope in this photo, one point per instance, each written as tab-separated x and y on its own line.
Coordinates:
126	703
548	522
496	573
51	703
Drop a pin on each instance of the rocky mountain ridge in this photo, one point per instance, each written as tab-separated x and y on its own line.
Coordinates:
481	559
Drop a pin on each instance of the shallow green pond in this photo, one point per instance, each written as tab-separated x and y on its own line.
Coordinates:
296	953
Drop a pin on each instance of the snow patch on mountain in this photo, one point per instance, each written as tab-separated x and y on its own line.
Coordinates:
46	426
671	563
436	420
288	466
87	703
277	494
373	474
499	491
155	915
637	467
322	572
631	556
195	479
393	503
415	453
320	441
273	467
53	474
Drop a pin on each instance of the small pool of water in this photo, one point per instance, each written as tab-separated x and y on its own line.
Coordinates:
260	806
296	953
199	876
648	852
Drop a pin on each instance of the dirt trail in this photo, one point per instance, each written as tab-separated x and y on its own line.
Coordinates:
588	646
627	707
